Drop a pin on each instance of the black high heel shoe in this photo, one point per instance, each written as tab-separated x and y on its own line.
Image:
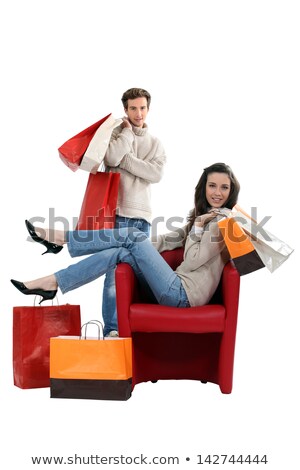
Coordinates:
51	247
46	294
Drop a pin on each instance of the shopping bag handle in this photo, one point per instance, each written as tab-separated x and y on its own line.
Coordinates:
92	322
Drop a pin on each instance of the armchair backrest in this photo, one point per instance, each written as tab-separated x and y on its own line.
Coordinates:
173	258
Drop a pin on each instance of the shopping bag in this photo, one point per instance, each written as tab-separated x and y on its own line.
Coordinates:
98	209
272	251
72	151
91	368
240	247
32	329
251	247
96	150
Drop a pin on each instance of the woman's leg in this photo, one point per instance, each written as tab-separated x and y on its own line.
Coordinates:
110	247
51	235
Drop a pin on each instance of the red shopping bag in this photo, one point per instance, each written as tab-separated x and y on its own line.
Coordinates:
98	209
72	151
32	329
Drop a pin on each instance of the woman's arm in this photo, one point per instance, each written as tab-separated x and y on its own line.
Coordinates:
203	246
169	241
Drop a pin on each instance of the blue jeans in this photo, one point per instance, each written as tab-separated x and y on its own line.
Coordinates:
109	307
125	245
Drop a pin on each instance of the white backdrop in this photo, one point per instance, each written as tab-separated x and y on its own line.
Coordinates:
224	77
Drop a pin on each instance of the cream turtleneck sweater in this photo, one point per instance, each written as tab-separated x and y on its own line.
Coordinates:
139	158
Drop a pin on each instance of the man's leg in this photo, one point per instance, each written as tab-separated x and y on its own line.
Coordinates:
109	304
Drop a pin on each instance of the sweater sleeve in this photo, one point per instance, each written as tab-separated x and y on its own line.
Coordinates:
202	247
148	170
169	241
119	146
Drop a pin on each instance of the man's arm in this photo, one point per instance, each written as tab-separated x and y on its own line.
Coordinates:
149	170
120	153
119	146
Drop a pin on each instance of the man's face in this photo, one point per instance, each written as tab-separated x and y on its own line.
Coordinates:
137	111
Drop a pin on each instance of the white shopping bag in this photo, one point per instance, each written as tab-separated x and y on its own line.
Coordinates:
272	251
96	150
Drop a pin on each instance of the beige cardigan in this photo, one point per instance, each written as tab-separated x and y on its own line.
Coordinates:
205	255
139	158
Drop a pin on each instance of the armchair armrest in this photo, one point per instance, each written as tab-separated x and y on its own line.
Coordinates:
230	287
126	288
230	293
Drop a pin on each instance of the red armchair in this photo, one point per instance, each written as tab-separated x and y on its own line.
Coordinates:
180	343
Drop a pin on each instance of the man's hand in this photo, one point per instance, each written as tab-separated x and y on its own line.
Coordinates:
126	123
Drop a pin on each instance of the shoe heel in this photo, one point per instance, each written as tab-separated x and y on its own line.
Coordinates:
52	248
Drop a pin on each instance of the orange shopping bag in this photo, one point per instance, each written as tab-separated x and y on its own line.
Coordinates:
91	368
240	247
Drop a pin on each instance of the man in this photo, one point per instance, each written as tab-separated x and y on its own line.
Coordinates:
139	157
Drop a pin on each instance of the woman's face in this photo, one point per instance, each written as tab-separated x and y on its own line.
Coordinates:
217	189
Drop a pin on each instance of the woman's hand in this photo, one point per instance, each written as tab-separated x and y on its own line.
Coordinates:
203	219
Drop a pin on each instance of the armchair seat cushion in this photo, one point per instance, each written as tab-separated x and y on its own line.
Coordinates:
152	318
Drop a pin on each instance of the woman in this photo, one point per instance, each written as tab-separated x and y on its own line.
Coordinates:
194	281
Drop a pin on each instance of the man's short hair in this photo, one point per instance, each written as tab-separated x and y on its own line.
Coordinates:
134	93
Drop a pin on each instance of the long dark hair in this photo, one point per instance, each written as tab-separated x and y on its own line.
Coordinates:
201	205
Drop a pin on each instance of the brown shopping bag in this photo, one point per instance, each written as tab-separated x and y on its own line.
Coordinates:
91	368
98	209
32	329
